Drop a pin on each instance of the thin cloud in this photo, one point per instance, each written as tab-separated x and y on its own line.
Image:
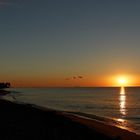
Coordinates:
80	77
75	78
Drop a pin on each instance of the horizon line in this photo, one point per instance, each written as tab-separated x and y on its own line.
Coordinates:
77	87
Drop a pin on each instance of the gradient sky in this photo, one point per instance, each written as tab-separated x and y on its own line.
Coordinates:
52	42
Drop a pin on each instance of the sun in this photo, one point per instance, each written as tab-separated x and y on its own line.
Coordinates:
122	81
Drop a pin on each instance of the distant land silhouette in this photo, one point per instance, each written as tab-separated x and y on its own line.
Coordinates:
4	85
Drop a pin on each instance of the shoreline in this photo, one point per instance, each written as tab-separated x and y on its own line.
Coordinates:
114	122
101	129
96	123
4	92
107	129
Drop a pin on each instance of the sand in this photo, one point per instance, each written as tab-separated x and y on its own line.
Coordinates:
26	121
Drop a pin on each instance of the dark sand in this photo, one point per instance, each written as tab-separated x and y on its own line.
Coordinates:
23	122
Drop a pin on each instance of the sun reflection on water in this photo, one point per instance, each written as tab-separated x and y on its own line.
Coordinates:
122	102
121	122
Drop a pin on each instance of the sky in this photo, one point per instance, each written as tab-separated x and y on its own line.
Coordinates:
47	43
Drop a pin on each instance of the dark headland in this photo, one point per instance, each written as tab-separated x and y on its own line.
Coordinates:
26	121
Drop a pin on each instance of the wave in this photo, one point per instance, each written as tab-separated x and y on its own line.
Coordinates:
133	118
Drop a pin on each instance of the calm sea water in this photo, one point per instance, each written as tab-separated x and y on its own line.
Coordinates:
119	104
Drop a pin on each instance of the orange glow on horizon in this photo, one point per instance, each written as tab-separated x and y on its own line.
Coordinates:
87	81
124	80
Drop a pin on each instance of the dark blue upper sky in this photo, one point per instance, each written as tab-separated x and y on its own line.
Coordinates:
48	38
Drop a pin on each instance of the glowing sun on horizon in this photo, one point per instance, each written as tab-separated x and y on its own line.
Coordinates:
122	81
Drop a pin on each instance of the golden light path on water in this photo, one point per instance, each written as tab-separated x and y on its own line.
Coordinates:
122	101
121	122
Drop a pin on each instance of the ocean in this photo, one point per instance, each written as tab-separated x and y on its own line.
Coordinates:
116	106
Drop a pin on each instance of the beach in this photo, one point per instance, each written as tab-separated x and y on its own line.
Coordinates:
27	121
70	70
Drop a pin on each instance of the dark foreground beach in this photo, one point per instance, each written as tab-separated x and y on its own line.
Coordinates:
25	121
